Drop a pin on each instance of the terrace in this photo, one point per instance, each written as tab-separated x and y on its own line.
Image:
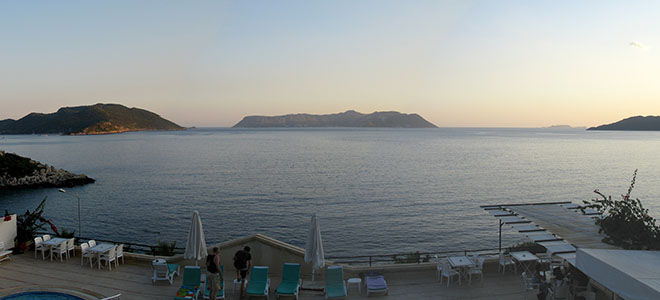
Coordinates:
133	279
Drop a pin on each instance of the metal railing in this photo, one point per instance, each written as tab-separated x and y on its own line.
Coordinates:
412	257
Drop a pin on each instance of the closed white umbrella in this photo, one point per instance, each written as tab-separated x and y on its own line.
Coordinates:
196	245
314	247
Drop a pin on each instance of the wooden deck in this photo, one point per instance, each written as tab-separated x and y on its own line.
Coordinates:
133	281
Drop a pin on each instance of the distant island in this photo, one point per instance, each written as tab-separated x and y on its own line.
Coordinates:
633	123
351	118
21	172
564	127
83	120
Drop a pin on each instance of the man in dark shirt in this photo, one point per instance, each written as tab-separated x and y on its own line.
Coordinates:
242	263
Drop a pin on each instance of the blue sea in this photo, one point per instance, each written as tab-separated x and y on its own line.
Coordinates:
375	191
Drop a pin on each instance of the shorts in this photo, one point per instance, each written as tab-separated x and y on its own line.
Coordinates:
243	273
213	279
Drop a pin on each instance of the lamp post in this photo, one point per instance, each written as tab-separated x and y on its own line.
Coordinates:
74	195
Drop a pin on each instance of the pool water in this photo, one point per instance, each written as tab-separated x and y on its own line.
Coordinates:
41	296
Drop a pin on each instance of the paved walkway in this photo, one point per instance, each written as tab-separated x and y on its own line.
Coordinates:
133	281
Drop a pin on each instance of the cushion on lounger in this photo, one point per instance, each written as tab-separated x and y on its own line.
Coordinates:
375	282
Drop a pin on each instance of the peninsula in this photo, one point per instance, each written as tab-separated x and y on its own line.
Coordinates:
637	123
21	172
82	120
351	118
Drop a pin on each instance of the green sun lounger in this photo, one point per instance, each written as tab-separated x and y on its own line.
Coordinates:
335	286
192	277
259	283
290	285
221	293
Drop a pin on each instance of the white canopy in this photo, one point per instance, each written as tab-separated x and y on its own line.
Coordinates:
196	245
314	247
631	274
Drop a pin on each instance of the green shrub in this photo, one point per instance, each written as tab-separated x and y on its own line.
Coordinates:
164	248
410	258
626	223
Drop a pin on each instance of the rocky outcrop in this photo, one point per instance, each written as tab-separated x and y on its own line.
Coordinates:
21	172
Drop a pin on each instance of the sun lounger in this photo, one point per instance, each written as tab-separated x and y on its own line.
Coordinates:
221	292
335	286
259	283
375	284
164	271
192	277
290	285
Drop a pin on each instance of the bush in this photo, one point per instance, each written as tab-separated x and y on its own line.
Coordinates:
65	233
527	246
626	223
164	248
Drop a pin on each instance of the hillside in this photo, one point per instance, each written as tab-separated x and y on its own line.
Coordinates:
632	123
94	119
21	172
349	118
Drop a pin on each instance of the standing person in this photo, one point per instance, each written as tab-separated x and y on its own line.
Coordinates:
242	263
213	273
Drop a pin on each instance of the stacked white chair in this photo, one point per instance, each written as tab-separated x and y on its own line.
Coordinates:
478	269
506	261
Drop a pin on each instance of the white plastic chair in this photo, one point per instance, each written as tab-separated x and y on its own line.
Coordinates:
109	257
46	237
39	247
438	267
91	243
71	247
120	253
60	250
506	261
529	285
161	272
85	253
477	270
449	273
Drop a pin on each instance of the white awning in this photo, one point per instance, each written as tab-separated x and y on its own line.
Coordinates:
526	227
500	213
513	220
541	236
570	257
631	274
565	248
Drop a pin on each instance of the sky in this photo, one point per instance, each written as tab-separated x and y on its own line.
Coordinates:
456	63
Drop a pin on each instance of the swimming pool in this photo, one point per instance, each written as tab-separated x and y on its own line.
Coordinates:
41	296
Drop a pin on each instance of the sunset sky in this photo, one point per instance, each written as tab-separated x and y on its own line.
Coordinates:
456	63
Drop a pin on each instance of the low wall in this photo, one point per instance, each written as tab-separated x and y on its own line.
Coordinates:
8	231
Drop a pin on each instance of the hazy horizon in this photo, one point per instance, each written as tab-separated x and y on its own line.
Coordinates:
456	63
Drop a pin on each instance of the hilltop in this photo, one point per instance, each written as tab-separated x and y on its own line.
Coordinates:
94	119
632	123
349	118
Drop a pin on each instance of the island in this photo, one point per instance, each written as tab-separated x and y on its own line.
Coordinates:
83	120
21	172
351	118
637	123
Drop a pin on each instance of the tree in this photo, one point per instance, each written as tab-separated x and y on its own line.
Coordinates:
626	223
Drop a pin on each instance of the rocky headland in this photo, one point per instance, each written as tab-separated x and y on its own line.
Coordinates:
21	172
637	123
351	118
87	120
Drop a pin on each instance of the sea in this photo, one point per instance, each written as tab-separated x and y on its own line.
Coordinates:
375	191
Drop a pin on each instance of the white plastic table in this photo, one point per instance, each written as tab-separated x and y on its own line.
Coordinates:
462	263
99	249
356	281
524	258
54	242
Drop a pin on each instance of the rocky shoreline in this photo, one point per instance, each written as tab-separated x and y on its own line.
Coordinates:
18	172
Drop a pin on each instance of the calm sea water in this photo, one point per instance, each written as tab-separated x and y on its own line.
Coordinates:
376	191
